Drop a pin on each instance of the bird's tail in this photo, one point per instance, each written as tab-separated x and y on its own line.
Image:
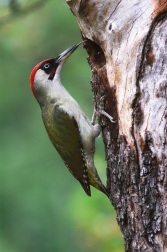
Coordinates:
96	182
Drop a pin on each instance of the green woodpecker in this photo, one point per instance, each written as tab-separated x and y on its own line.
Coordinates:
70	131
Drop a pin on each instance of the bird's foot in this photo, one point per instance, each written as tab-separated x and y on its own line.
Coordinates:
101	112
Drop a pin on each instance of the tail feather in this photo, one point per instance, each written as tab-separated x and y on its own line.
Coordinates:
86	187
95	181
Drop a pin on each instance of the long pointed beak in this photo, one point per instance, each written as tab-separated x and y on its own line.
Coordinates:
64	55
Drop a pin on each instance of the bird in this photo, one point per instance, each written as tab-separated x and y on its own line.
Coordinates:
70	131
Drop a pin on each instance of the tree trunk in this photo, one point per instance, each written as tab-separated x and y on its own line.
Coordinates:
127	46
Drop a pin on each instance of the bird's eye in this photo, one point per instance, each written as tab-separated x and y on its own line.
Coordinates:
46	65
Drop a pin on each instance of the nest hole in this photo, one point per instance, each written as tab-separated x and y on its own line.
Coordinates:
96	56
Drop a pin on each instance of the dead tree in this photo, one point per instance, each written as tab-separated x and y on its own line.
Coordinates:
127	46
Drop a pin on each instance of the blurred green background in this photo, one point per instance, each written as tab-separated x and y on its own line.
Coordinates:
42	207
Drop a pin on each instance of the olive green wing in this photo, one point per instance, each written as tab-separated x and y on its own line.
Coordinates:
67	142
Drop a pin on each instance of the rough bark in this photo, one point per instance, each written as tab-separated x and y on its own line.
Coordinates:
127	46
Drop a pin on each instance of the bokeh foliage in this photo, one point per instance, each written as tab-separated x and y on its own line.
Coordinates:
42	207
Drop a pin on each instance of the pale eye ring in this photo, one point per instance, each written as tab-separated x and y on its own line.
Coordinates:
47	65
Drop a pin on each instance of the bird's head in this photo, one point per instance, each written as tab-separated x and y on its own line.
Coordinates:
47	71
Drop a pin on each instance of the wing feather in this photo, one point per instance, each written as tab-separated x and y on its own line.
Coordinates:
67	142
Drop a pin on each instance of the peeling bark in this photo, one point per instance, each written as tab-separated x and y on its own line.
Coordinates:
127	46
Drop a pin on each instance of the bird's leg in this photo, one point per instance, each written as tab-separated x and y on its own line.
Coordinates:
101	112
94	117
